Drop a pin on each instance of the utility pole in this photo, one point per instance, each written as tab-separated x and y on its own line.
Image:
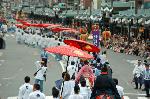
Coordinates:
66	4
91	7
111	3
136	6
78	7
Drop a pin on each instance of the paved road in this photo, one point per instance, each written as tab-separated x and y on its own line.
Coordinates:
123	71
17	61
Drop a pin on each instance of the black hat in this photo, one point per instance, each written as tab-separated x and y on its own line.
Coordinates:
147	64
139	60
145	61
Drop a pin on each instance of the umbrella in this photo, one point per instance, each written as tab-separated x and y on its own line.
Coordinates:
22	21
41	25
35	25
82	45
69	51
71	31
46	25
54	26
59	29
26	23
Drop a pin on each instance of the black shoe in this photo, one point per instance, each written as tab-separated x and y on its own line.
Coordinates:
135	88
147	96
143	89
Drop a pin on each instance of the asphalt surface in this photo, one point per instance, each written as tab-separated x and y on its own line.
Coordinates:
123	71
17	61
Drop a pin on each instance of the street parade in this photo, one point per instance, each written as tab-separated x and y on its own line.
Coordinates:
75	49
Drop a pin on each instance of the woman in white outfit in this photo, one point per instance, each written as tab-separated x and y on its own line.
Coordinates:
76	94
67	87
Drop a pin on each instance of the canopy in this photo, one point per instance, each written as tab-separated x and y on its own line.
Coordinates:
69	51
82	45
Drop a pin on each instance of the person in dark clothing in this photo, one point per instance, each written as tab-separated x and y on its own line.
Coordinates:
2	43
104	85
55	93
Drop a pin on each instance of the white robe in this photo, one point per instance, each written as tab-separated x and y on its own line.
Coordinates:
51	42
71	69
24	91
76	96
85	92
18	35
68	88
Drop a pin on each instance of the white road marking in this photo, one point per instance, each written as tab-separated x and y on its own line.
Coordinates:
142	98
8	78
132	61
135	94
6	35
47	97
0	84
2	60
126	97
62	65
12	35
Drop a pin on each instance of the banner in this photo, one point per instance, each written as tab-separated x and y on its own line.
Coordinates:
95	32
96	38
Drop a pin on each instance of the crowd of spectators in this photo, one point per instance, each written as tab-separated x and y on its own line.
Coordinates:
133	46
